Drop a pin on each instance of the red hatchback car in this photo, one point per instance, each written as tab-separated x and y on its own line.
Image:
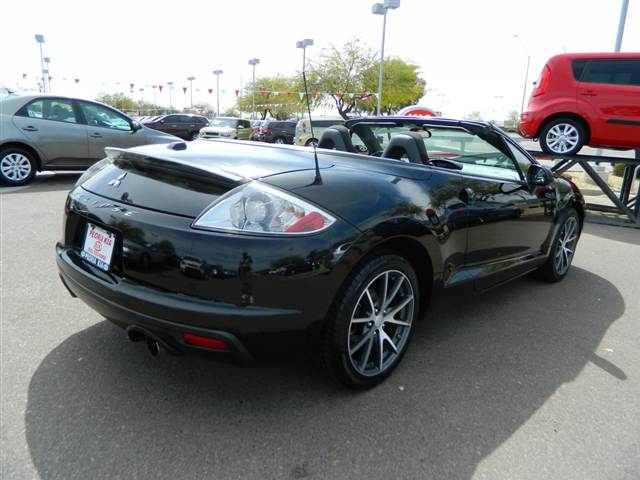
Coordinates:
585	99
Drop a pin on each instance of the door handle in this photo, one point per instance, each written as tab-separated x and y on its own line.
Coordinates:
95	135
589	93
30	128
466	194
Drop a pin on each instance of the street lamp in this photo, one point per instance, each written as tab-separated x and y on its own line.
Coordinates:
381	9
191	79
47	60
170	89
253	62
526	75
40	40
217	73
303	44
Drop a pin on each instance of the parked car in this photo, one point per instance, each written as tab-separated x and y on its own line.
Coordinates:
585	99
44	132
185	126
320	124
227	127
336	253
277	131
255	129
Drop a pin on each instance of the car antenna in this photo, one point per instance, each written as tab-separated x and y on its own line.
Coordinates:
318	179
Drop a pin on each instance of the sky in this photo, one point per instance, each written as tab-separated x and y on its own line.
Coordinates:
466	49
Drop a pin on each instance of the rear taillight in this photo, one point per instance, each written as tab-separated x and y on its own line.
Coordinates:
264	130
543	82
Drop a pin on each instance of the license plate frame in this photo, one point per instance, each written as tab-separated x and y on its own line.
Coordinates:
98	246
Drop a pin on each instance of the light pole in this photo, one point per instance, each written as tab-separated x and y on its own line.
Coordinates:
47	60
303	44
526	75
217	73
623	19
40	40
170	89
253	62
381	9
191	79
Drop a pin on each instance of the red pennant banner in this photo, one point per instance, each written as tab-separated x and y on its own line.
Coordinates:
184	89
131	85
314	94
77	80
24	75
339	95
210	90
289	94
160	88
237	92
50	77
263	93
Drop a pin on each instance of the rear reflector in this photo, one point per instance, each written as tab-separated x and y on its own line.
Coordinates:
205	342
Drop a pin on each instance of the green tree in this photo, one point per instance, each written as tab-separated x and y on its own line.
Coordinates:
341	73
275	95
401	86
118	100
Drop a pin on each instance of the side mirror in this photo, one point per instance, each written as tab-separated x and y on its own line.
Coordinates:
135	126
539	175
161	121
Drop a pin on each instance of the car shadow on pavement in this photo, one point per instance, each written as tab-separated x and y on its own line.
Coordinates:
101	407
47	182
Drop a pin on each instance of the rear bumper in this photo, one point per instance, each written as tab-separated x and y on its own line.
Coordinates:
169	316
528	125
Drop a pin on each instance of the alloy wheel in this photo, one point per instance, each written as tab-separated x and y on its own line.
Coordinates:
381	323
566	245
15	167
562	138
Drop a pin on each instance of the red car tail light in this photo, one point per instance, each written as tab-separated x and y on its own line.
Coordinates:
264	130
543	82
206	342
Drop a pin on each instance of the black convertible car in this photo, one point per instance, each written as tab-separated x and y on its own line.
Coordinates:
249	250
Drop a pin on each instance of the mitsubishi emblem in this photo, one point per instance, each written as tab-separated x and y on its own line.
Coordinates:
115	183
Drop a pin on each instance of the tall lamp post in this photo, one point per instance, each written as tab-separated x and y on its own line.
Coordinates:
303	44
217	73
526	75
253	62
170	89
191	79
47	60
40	40
381	9
623	19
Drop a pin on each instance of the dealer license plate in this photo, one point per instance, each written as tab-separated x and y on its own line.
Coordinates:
98	247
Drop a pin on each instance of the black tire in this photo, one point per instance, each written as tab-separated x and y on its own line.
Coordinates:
550	271
568	145
311	141
279	140
339	330
17	166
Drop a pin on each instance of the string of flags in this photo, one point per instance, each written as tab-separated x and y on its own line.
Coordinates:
262	93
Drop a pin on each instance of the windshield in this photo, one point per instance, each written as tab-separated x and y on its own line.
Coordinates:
448	143
223	122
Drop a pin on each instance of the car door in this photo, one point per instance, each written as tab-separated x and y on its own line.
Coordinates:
108	128
171	124
507	221
53	125
244	133
612	88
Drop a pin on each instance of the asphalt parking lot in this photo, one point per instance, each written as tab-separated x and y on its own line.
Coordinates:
529	381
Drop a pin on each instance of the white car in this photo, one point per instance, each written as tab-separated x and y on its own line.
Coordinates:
227	127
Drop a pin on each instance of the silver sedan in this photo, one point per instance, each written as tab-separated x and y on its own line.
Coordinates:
45	132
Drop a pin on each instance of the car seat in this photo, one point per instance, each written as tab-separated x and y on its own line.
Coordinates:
336	137
409	145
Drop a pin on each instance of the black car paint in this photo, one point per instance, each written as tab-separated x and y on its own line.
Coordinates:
271	293
186	128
